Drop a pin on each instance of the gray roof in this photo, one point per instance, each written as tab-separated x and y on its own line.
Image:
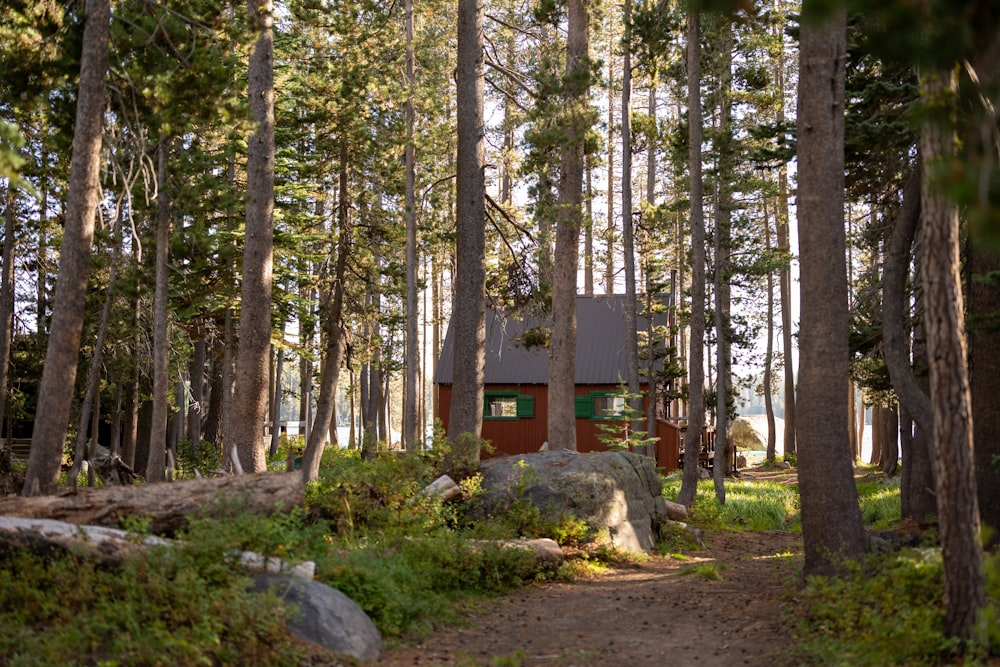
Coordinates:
600	345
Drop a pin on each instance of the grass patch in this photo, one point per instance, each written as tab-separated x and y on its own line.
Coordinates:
750	505
706	571
879	499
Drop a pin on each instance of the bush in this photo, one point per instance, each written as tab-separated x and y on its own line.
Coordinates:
160	607
890	610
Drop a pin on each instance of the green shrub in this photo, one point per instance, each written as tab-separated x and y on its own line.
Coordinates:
408	585
354	495
889	611
160	607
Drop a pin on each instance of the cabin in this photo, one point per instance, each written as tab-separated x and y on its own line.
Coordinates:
515	405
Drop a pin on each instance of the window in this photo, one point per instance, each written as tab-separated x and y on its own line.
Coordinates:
608	406
600	405
508	405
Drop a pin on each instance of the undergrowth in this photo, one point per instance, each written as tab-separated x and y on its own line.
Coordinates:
750	505
889	610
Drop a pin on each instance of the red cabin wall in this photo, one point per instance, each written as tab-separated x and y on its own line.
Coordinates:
523	436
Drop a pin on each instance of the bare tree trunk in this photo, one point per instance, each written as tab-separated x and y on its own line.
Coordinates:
156	461
331	308
55	391
890	446
628	236
609	263
412	364
723	243
279	369
770	453
696	372
197	376
92	394
250	391
6	299
958	507
469	314
831	518
784	276
562	349
878	434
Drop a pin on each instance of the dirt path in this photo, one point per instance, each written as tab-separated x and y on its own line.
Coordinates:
661	612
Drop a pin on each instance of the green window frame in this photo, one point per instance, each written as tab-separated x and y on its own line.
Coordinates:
507	405
600	405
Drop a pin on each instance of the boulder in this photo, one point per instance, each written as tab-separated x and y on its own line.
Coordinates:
324	615
619	492
746	436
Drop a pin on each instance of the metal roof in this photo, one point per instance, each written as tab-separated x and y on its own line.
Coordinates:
600	345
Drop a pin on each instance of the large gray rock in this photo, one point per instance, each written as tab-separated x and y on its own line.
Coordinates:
325	616
616	491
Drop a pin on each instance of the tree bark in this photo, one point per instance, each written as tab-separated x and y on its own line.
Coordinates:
831	518
412	364
696	352
569	213
628	236
771	446
6	299
55	391
894	341
782	238
984	371
890	445
331	308
469	314
279	369
156	460
250	390
958	508
92	393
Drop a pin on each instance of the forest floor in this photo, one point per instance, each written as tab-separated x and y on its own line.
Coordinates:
662	611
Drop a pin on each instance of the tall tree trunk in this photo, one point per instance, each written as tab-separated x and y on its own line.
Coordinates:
250	392
155	461
331	308
984	371
771	446
92	393
6	299
412	363
116	420
784	276
696	352
723	250
213	413
984	302
628	236
890	446
197	375
55	391
588	227
562	349
958	507
831	518
609	263
469	313
878	434
279	369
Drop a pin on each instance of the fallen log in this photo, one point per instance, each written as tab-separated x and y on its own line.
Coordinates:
111	545
168	506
